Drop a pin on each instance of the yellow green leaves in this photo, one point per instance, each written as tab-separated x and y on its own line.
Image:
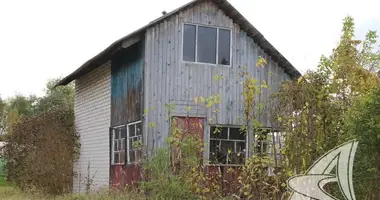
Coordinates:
151	124
209	101
300	79
261	62
188	108
218	77
199	100
146	110
264	85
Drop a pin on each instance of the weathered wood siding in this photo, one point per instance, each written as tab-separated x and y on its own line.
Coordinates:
168	80
126	98
126	104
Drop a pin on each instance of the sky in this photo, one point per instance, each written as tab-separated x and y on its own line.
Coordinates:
45	39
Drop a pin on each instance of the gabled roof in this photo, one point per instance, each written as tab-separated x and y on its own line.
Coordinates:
224	5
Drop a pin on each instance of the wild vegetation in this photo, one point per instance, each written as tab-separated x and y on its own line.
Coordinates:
319	111
337	102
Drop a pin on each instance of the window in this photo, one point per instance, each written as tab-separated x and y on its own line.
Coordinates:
189	42
206	44
269	142
227	145
126	139
118	145
134	144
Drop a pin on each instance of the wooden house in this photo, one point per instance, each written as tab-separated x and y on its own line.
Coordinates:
154	74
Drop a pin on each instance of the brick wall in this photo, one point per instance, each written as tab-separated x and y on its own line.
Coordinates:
92	119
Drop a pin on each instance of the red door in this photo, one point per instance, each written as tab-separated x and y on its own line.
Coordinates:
122	172
185	127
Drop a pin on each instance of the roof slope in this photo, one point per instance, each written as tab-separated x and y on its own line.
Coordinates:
224	5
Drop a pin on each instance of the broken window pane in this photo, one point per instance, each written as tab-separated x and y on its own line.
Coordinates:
130	143
132	157
237	134
240	147
122	157
122	144
219	132
138	129
131	130
115	145
119	145
227	148
116	133
189	42
116	157
224	47
206	46
123	132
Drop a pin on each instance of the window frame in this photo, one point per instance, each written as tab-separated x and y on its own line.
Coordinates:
113	151
272	151
233	140
196	44
127	146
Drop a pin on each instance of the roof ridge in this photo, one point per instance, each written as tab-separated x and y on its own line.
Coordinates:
224	5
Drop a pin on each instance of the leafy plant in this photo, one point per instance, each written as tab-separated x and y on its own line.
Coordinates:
41	154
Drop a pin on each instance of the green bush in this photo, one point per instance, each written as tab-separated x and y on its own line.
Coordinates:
40	151
363	123
160	182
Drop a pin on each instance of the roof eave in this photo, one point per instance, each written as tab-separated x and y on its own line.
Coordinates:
224	5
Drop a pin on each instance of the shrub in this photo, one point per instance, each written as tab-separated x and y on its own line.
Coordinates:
40	151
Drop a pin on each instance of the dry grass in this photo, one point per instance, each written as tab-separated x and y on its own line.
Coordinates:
10	193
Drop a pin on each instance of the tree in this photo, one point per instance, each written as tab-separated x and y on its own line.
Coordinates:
18	107
38	153
363	124
41	149
313	109
62	96
2	116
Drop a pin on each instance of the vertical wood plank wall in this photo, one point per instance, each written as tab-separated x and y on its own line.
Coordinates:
126	103
168	80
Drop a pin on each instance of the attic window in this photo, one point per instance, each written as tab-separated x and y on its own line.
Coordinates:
204	44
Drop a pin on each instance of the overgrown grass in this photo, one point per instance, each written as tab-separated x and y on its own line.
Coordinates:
3	182
11	193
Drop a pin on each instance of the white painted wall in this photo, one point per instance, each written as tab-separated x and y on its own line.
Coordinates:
92	120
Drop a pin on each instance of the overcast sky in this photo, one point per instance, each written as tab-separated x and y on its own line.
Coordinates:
43	39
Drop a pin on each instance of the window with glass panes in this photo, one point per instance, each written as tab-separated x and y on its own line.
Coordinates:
205	44
134	143
126	143
118	144
269	142
228	146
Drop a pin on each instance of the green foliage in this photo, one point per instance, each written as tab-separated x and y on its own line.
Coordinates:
2	116
9	193
176	172
161	182
255	181
18	106
41	154
62	96
363	123
313	109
